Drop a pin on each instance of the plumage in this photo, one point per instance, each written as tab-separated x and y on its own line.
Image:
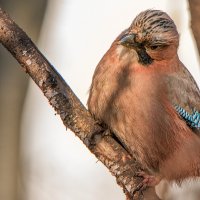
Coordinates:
146	96
193	119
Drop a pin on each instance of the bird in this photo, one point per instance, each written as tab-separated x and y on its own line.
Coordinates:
145	95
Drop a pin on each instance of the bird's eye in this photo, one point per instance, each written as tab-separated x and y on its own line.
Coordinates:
154	47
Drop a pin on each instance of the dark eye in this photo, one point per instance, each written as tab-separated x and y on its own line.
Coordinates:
153	47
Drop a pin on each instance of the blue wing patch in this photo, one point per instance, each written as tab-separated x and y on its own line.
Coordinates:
193	120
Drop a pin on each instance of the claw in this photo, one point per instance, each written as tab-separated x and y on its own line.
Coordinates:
148	181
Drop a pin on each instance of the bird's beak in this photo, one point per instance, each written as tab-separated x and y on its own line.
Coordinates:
128	40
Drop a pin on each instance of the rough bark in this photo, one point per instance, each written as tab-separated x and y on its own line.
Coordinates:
73	114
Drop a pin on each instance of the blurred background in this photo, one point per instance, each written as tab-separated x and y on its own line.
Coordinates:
39	159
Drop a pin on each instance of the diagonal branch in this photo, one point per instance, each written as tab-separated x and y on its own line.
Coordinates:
73	114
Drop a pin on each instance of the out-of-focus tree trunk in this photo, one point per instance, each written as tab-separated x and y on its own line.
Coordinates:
195	20
13	86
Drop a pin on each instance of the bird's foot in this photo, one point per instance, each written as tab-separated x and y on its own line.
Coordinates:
148	180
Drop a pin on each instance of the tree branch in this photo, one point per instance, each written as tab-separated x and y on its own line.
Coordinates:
73	114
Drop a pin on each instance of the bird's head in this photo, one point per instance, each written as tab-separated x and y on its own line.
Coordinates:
153	35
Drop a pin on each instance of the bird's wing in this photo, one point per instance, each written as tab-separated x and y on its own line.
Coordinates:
184	95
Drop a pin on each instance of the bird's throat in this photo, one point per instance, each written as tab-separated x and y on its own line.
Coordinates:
143	57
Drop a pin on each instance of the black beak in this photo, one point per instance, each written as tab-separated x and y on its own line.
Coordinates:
128	40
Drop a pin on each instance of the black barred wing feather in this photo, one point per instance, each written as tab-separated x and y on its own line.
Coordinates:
193	119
